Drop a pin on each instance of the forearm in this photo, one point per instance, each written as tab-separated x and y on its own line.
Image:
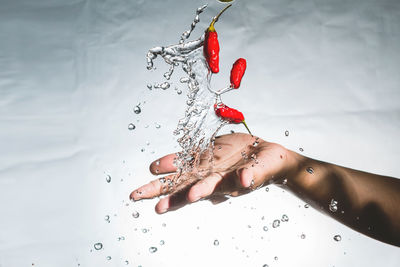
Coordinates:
366	202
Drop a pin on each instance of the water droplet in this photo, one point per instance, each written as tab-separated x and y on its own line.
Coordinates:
121	238
333	205
107	218
337	238
179	91
286	133
98	246
276	258
158	162
306	206
265	228
162	242
301	149
137	109
216	242
108	179
131	126
267	189
108	258
184	80
165	85
158	126
144	230
142	150
149	86
126	262
152	249
255	143
303	236
265	265
164	225
285	218
284	181
310	170
189	102
162	180
276	223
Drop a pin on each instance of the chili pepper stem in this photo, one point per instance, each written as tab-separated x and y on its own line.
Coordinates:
224	90
245	125
215	19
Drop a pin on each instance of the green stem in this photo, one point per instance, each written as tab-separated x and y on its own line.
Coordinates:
245	125
215	19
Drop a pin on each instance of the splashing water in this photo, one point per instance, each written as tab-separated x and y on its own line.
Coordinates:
197	130
276	223
98	246
333	205
152	249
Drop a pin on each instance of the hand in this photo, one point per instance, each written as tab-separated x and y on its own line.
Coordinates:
242	163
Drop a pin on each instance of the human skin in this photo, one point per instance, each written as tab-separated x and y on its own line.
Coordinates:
368	203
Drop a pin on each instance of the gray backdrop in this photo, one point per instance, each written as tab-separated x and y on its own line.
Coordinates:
72	71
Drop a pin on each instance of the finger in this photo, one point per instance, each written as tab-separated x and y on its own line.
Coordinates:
251	175
153	189
246	176
164	165
172	202
204	187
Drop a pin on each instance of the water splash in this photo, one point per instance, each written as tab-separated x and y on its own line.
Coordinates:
135	214
196	131
131	126
337	238
98	246
310	170
276	223
137	109
333	205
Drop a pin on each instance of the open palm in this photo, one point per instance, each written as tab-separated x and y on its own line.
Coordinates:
241	163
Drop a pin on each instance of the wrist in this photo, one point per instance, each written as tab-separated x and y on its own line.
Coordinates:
293	165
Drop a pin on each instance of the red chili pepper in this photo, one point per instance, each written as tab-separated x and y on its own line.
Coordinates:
230	114
211	45
237	72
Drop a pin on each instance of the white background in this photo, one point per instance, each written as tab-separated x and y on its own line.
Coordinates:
72	71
